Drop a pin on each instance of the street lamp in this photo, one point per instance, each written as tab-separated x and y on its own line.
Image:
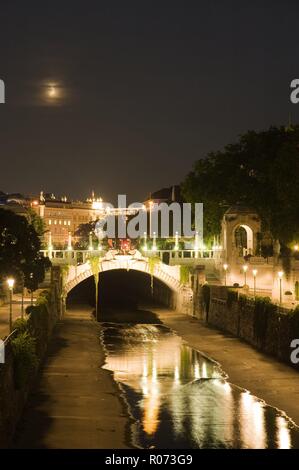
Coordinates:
150	216
254	272
176	245
22	298
31	282
225	266
154	248
245	269
280	276
90	245
145	241
10	283
69	243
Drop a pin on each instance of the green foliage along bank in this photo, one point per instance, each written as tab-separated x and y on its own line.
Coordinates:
24	353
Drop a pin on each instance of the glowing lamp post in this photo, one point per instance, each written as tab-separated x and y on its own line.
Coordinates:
254	273
90	247
150	216
69	244
50	246
225	267
10	283
176	244
154	242
280	276
196	244
144	241
245	269
31	282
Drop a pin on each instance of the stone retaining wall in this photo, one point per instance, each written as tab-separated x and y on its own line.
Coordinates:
271	332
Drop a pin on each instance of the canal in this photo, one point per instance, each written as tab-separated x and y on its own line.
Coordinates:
181	399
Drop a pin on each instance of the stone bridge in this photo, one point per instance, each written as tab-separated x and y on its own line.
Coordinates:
168	275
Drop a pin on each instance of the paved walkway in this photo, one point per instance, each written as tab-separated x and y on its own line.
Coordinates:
76	403
274	382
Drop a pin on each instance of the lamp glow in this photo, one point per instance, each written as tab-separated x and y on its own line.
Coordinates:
280	276
10	283
245	269
254	273
225	266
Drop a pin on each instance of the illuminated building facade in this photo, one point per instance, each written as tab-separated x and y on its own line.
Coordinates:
62	216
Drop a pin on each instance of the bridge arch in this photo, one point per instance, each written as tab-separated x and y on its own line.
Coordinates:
168	275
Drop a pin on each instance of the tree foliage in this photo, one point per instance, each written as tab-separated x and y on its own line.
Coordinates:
20	250
260	171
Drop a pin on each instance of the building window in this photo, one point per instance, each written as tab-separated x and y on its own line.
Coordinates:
50	221
55	222
69	222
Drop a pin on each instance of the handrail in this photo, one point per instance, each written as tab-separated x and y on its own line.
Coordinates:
174	254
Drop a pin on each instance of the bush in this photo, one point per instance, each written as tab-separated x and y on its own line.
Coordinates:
184	274
25	358
20	324
43	298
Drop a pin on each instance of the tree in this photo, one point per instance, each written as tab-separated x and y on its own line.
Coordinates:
260	171
82	234
20	250
37	222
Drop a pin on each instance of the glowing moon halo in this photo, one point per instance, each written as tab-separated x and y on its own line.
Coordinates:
52	91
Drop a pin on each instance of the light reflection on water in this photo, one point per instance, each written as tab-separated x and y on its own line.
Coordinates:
180	399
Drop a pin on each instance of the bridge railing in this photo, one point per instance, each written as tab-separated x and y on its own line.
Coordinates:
184	254
82	256
71	256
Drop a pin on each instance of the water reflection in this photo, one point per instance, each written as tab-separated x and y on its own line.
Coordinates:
181	399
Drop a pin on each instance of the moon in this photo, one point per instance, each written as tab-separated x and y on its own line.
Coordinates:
52	91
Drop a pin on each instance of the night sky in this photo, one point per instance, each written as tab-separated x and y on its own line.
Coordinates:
123	97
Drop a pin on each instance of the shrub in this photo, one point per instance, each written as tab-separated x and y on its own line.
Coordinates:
184	274
25	358
20	324
43	298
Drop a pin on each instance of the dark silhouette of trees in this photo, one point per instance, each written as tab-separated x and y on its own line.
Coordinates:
260	171
20	246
